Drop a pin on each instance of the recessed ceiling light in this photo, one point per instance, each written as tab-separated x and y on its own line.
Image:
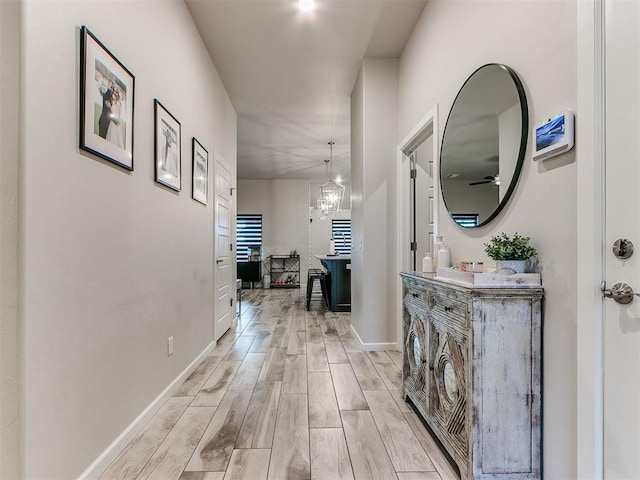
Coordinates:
306	5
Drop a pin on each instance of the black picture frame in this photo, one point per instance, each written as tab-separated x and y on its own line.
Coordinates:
167	148
199	172
107	98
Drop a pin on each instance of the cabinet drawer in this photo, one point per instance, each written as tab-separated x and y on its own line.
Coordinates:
449	313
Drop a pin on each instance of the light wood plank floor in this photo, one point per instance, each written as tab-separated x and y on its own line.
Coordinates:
286	394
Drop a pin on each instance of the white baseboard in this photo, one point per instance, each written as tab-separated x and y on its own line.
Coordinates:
112	451
375	347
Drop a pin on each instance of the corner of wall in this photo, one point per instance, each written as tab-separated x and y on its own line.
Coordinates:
10	21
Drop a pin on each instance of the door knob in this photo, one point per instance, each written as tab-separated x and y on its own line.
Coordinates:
220	260
620	292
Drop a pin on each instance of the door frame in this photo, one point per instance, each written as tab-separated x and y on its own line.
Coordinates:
590	230
414	138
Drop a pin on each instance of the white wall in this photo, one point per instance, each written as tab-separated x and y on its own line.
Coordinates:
112	264
9	166
284	205
542	49
373	149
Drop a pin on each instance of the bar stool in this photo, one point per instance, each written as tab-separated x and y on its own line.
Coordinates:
313	275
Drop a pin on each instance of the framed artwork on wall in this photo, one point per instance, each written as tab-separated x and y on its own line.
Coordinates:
168	148
200	178
106	103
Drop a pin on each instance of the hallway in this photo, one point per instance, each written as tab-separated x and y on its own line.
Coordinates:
286	394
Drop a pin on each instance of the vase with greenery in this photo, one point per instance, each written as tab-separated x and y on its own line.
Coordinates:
510	253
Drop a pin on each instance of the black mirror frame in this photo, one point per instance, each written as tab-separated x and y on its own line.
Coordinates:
524	138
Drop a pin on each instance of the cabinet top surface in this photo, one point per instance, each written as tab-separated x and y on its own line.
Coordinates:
432	279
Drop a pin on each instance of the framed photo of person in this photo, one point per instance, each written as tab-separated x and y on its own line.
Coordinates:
200	178
168	148
106	103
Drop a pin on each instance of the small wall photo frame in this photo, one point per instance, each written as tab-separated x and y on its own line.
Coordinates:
200	173
107	90
168	148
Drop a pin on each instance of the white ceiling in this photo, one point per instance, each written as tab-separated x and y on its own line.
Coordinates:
290	74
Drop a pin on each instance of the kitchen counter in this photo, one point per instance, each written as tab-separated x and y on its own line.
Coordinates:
338	281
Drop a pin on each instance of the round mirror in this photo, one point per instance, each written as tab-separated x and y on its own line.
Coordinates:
417	357
483	145
450	384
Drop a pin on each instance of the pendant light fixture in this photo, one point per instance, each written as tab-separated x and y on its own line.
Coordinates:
331	194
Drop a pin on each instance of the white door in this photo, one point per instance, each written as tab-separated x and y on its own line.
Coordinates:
422	202
622	322
222	251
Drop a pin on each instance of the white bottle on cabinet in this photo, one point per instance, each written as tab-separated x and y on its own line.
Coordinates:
332	247
437	243
444	257
427	263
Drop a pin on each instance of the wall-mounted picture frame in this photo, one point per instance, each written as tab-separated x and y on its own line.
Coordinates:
168	148
107	93
200	172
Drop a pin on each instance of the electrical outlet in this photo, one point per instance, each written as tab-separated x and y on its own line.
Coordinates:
170	346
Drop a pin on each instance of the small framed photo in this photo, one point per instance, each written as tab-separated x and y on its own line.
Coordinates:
200	179
106	103
168	148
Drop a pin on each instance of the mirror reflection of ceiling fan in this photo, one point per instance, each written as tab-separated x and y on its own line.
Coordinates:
495	179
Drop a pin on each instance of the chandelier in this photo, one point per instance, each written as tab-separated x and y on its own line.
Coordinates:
330	194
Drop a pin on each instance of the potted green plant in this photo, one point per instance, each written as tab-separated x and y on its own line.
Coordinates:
510	252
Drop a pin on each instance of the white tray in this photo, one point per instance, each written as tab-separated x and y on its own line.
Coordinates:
488	279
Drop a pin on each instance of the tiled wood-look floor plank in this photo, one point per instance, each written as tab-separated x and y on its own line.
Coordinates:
329	455
248	465
290	452
215	448
260	419
297	343
392	378
348	391
262	342
365	372
368	455
169	460
396	357
295	374
335	350
248	373
317	358
323	406
404	449
327	327
133	458
217	385
418	476
273	366
240	348
202	476
314	334
194	382
438	458
379	357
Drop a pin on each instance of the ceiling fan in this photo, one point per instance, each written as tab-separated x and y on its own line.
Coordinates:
495	179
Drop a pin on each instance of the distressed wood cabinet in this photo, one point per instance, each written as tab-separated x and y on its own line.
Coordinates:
472	370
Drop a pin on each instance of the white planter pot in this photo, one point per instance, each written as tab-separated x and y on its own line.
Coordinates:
508	267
